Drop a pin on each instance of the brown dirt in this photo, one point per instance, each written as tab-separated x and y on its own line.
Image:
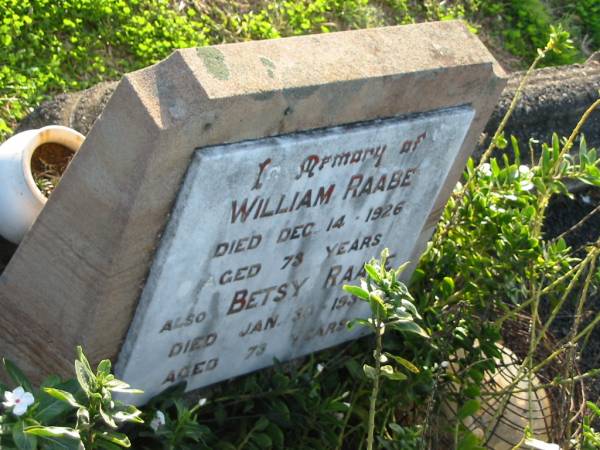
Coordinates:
563	214
48	163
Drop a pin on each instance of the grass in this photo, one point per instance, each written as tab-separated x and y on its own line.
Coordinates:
53	46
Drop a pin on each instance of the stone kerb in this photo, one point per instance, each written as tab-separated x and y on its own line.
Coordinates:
77	276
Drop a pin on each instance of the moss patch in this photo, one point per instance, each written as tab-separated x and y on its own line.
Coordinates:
214	61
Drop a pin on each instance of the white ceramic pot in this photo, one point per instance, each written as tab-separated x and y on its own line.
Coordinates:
20	199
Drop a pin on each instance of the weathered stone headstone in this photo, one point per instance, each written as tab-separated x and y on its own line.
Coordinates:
251	264
225	195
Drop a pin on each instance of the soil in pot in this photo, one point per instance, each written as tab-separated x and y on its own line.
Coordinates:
48	162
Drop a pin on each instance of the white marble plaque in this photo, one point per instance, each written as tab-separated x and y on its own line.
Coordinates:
265	233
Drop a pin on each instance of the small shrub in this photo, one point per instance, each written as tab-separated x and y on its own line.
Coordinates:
35	418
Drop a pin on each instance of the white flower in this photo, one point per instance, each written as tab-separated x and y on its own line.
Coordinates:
445	364
158	421
320	368
523	169
18	400
541	445
202	402
486	169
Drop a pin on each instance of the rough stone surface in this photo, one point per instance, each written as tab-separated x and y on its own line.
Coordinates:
77	110
553	101
77	276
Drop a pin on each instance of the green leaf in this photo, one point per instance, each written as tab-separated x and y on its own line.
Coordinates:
546	159
404	363
361	322
106	417
408	305
501	141
104	367
356	291
388	372
128	414
120	386
476	374
495	167
50	381
60	443
407	326
594	408
23	441
84	377
106	445
472	390
82	358
276	435
83	417
447	286
53	432
540	185
516	150
555	147
372	272
469	442
85	369
377	306
401	269
261	424
470	166
353	367
63	396
17	375
468	409
369	371
113	437
280	411
262	440
50	409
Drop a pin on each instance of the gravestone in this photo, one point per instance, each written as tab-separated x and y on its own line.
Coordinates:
290	220
225	194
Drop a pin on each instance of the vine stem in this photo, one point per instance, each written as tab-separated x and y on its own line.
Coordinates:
246	438
375	391
460	193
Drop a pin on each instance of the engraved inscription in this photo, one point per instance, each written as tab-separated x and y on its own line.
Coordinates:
265	233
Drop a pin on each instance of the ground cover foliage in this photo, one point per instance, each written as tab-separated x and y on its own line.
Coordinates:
53	46
488	265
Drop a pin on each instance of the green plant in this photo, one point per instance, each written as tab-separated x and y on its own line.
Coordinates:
391	308
99	414
33	419
588	12
57	46
180	430
523	27
403	438
54	46
590	437
490	261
